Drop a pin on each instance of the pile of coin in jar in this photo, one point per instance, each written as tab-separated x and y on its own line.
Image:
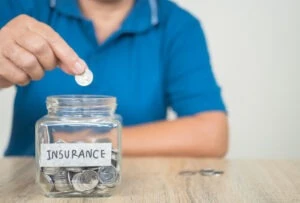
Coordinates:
83	180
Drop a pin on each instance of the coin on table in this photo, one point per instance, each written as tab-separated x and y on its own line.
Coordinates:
207	172
47	182
218	173
107	174
85	79
50	170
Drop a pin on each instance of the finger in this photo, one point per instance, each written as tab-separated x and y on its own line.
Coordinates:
23	60
13	74
69	60
5	83
38	47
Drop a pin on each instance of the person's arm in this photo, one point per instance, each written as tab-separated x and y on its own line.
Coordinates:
191	90
203	135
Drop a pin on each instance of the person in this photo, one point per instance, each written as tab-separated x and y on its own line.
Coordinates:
150	54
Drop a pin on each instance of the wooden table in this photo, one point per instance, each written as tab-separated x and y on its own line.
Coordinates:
156	180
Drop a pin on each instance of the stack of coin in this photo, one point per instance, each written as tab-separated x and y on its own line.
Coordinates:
62	181
96	180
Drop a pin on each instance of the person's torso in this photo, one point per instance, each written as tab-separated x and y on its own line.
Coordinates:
128	65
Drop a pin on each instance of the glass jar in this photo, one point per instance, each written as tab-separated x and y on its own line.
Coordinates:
78	147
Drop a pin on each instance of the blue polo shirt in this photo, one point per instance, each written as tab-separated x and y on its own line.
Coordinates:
157	59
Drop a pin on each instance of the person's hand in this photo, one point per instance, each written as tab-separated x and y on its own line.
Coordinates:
28	48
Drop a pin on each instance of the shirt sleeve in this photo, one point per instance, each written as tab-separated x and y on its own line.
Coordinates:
190	83
10	9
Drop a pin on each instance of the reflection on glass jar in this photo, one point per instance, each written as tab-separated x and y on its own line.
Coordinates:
78	146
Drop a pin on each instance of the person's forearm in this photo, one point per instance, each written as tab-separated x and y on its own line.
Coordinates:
201	135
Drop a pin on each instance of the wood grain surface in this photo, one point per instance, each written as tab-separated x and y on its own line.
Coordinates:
156	180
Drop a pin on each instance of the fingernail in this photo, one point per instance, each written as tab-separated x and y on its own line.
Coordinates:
79	68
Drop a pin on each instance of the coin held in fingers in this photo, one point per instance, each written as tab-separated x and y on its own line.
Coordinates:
85	79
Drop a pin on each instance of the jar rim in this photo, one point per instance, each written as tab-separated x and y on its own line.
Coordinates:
100	99
79	102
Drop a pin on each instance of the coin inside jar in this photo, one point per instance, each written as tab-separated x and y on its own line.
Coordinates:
61	181
107	174
77	183
74	169
85	79
89	179
85	181
47	182
50	170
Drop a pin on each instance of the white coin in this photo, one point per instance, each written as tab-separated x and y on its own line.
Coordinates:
85	78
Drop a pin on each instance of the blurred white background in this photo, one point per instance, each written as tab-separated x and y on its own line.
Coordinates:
255	48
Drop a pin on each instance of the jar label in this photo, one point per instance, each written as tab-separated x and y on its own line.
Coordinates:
75	154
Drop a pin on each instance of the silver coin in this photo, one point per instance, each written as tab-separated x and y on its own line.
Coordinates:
61	181
102	190
101	187
85	79
103	193
62	186
112	185
74	169
89	179
85	181
207	172
86	192
50	170
61	175
77	183
69	176
218	173
46	182
107	174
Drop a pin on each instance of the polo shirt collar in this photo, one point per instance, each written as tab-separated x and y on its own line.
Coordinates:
143	16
